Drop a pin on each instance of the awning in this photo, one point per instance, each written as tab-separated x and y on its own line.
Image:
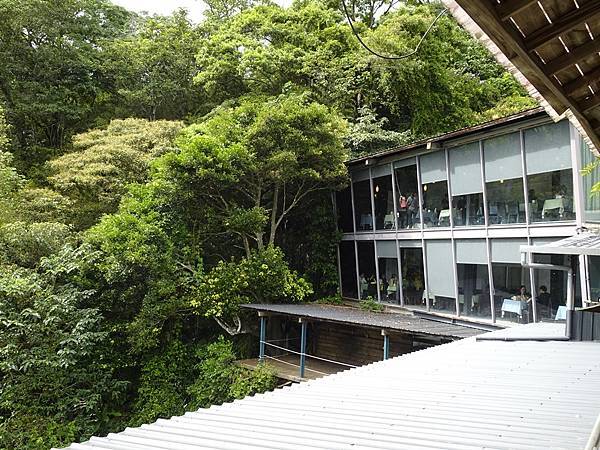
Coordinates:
581	244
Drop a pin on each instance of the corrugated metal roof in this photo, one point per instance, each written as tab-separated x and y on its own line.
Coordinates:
464	395
356	316
580	244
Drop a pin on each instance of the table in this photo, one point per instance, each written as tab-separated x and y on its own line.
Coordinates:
514	306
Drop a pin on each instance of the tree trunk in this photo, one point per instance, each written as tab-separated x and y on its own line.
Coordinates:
274	215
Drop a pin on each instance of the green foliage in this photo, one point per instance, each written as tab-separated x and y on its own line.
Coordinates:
51	73
264	277
25	244
154	68
370	304
95	174
331	300
55	377
163	383
220	380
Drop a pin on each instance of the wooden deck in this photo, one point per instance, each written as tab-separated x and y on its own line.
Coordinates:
286	367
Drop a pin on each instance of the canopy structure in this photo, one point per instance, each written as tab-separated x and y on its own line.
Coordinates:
551	46
580	244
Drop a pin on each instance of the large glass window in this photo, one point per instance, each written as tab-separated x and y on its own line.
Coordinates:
550	287
348	269
436	207
362	205
383	198
591	203
440	276
473	279
413	277
387	259
466	185
512	286
407	189
593	264
549	173
343	203
504	179
366	269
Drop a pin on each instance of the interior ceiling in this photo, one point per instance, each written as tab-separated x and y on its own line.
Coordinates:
554	44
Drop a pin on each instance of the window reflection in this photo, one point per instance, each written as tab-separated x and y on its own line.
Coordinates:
383	198
474	290
551	196
362	205
413	276
512	296
389	285
436	209
343	204
468	210
407	197
506	201
366	269
348	269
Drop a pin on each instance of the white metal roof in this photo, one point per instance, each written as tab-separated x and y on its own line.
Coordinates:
580	244
464	395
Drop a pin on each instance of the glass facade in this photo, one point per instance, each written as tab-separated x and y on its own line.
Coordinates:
549	172
413	275
448	225
504	179
362	205
349	285
366	269
343	204
383	198
407	188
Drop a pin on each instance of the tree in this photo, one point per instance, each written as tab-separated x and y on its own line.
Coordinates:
261	158
50	76
154	68
263	277
95	174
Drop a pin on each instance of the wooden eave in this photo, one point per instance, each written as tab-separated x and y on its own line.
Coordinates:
551	46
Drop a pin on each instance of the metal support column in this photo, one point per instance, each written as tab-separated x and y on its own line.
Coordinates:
386	344
263	332
303	322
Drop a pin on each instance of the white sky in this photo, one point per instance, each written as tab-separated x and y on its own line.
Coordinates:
164	7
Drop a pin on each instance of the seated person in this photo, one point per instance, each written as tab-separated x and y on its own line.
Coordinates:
521	294
392	288
544	299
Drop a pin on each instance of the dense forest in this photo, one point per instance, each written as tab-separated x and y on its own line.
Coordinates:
155	174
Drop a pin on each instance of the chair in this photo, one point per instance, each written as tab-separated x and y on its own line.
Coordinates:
388	222
366	222
444	218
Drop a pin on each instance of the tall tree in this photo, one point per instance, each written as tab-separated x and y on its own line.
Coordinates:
154	68
50	76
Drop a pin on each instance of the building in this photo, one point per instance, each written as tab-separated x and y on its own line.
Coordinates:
438	225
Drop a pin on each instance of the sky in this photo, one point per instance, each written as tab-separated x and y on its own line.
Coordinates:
195	7
164	7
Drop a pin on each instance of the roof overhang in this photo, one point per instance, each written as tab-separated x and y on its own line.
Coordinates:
581	244
551	46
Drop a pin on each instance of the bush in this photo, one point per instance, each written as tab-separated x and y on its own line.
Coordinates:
369	304
220	380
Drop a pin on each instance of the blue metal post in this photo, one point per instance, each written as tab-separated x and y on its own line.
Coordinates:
302	348
386	345
263	331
